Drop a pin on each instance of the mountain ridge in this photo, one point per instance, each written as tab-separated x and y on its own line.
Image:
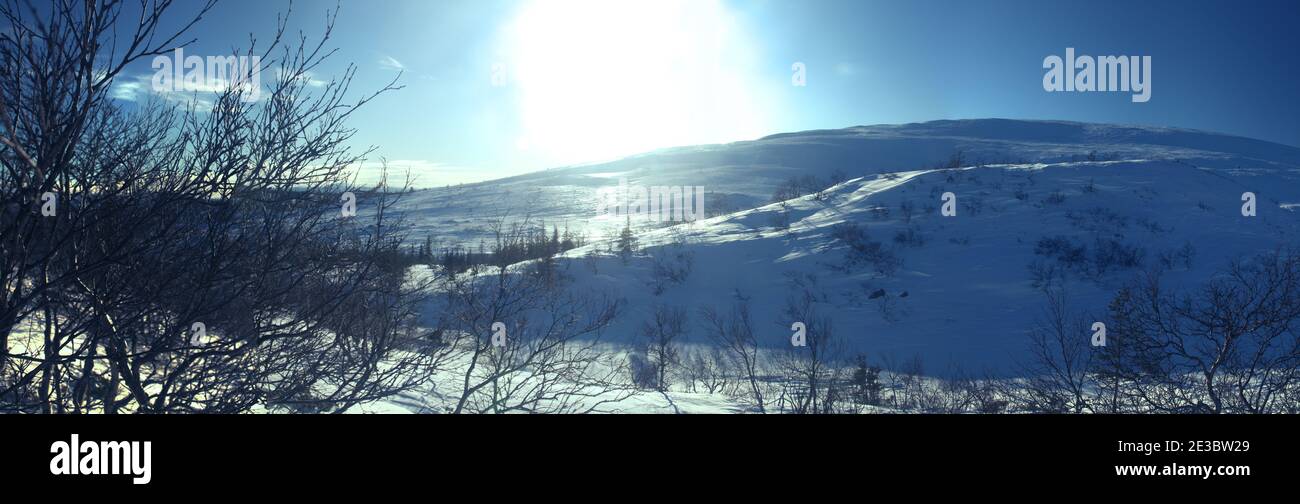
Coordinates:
746	174
901	279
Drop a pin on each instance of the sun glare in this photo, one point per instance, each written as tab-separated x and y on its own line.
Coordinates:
598	79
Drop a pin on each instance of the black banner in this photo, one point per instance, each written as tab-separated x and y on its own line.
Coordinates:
322	454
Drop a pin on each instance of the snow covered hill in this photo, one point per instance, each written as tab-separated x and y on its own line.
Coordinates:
1080	205
743	175
964	292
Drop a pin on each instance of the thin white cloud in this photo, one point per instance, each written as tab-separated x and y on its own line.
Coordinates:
127	90
307	78
390	63
140	87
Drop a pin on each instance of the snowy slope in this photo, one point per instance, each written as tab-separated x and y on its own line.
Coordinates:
970	298
1171	198
744	174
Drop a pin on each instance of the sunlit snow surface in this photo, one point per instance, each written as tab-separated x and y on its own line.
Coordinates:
969	297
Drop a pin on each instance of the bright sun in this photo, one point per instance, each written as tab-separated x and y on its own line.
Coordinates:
597	79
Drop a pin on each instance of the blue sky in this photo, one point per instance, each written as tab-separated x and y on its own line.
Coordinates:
496	88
